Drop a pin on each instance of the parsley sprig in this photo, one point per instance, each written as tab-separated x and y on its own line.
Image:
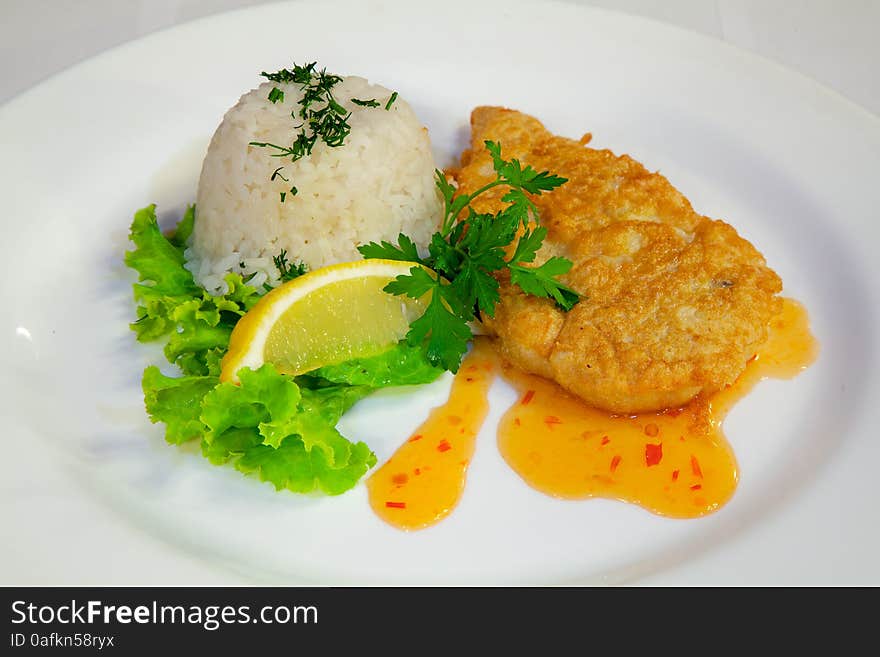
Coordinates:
467	250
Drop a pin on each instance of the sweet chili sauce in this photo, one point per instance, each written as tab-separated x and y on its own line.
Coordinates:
424	479
674	463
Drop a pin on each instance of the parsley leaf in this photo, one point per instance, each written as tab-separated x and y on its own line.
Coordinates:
528	245
405	250
512	173
443	326
447	333
414	285
541	281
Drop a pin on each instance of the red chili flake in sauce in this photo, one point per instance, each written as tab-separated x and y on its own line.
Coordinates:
652	430
444	446
530	394
516	421
399	479
418	436
605	440
615	462
696	487
469	379
396	505
675	475
673	412
550	420
417	471
653	454
695	466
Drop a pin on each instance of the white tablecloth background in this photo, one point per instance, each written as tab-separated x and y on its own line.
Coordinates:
55	533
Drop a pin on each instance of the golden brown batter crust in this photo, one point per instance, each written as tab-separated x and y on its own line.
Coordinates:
674	303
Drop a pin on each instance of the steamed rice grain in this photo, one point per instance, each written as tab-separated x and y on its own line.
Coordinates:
378	184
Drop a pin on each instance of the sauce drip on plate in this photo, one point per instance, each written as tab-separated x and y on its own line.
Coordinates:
675	463
424	479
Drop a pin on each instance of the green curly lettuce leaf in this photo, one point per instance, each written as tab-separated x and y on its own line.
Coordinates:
294	467
401	365
177	402
268	426
265	399
198	324
332	401
157	260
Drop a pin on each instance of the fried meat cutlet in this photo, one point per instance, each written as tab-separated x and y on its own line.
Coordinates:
673	303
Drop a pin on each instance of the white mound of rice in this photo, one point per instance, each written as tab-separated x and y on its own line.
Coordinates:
378	184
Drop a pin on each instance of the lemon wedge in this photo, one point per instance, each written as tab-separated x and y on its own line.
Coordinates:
327	316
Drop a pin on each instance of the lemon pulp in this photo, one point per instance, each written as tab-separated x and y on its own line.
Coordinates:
340	321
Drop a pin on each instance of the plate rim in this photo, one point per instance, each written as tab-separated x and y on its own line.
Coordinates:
833	95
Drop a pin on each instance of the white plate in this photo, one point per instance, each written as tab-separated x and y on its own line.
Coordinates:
790	164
